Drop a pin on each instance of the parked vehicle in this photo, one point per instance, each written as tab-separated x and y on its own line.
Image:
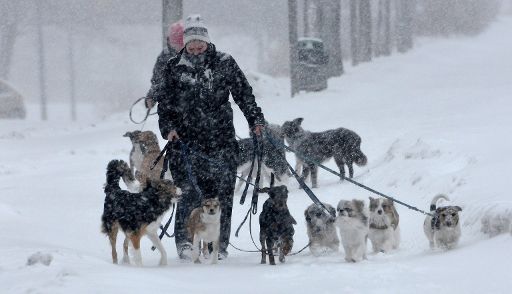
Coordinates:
11	102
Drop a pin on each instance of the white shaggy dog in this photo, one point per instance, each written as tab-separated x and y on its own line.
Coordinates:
352	221
384	229
321	229
443	229
204	225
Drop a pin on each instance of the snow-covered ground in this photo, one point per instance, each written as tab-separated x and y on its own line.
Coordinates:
434	120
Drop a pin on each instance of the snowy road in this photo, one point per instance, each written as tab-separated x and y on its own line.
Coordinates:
435	120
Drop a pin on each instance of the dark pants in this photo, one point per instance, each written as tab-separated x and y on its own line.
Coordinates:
213	181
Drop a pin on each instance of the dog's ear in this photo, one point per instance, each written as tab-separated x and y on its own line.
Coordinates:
359	204
458	208
306	215
292	220
332	212
298	121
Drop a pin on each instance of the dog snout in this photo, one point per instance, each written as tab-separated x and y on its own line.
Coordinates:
449	223
379	211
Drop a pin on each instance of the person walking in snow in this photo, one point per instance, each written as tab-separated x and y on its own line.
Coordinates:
194	108
174	45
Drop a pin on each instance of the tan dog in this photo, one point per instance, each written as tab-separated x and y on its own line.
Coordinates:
204	225
145	151
384	225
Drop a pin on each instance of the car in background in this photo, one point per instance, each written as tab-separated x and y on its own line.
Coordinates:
11	102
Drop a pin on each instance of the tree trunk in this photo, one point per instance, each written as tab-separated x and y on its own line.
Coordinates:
293	38
42	65
354	32
172	11
386	48
337	59
8	32
365	30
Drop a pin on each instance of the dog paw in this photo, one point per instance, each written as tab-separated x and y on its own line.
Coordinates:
197	261
163	263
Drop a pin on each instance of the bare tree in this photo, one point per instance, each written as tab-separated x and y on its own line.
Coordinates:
172	11
405	15
365	30
8	31
355	51
293	38
383	28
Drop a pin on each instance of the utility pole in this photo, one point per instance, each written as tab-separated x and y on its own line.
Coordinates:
293	38
71	46
42	80
355	50
172	11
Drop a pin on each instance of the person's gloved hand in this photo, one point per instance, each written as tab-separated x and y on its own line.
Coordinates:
173	136
258	130
149	102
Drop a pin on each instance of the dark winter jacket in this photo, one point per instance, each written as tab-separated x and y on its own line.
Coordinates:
194	101
158	70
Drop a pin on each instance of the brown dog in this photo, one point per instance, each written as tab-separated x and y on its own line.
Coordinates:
145	146
204	227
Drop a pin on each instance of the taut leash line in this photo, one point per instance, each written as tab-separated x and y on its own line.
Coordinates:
347	179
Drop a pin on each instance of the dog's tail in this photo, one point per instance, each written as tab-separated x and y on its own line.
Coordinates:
117	169
433	203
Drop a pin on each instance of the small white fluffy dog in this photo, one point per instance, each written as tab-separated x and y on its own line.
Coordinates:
204	225
384	229
443	229
352	221
321	229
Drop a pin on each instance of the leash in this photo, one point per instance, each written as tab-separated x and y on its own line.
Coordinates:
143	121
188	166
255	191
249	177
306	158
163	229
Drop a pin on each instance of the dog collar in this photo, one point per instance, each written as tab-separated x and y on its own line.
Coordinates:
374	226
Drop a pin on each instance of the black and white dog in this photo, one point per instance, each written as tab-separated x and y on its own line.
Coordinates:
136	214
341	144
274	160
443	229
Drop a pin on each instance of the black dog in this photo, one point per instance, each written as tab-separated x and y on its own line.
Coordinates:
342	144
136	214
276	225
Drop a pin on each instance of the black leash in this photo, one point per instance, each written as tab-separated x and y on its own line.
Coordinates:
163	229
255	191
188	165
307	159
249	177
